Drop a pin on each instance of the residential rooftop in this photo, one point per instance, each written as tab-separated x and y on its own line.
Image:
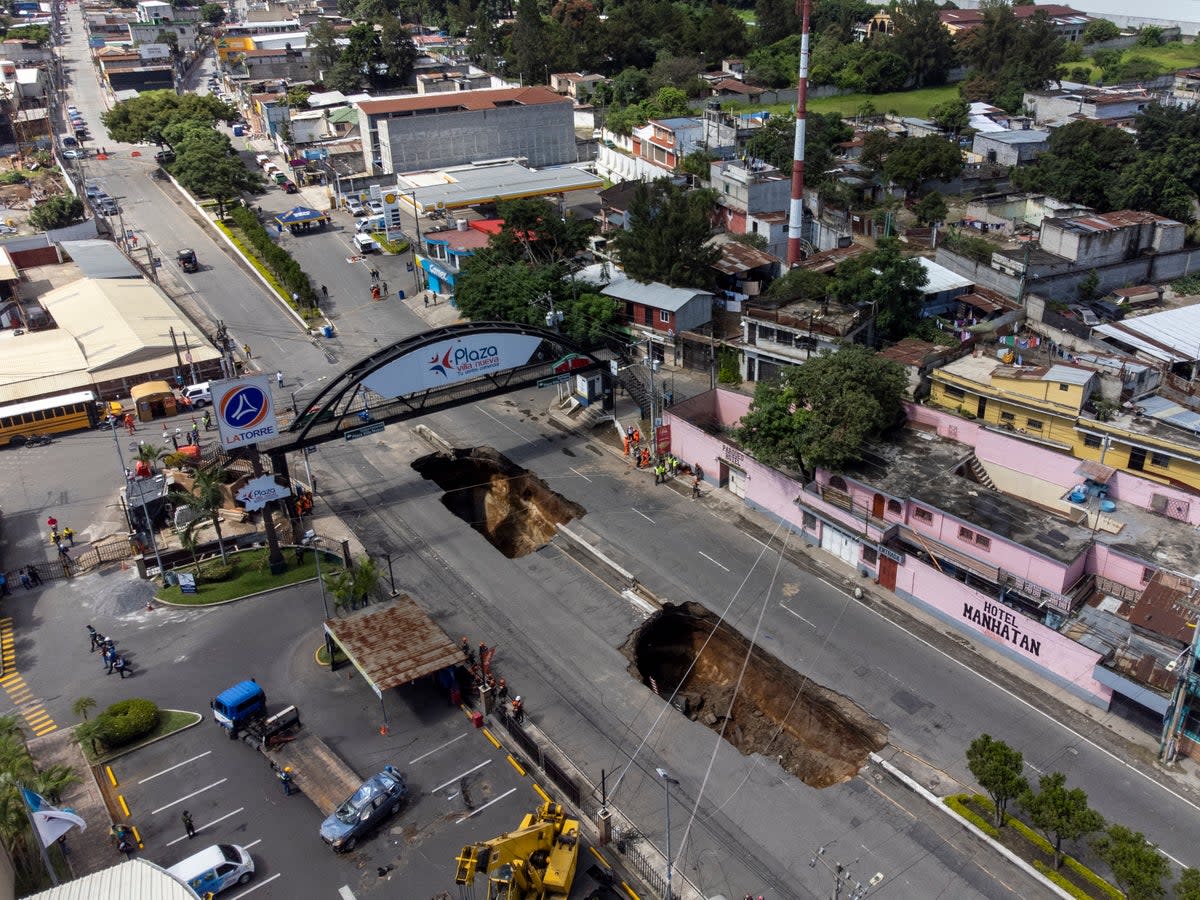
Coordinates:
462	101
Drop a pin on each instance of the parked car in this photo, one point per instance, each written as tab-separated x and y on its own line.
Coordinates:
91	191
1085	315
107	206
377	800
376	207
289	187
74	154
364	243
215	868
1106	309
355	207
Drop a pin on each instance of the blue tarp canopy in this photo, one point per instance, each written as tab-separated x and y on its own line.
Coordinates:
301	215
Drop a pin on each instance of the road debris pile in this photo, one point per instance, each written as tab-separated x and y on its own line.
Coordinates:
816	734
514	509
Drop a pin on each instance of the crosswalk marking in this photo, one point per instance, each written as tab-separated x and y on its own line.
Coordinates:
27	704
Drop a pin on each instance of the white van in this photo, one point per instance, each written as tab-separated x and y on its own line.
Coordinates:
371	223
212	870
198	395
364	243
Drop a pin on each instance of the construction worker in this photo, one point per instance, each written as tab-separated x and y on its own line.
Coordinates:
467	651
285	779
502	690
625	443
645	458
518	710
637	436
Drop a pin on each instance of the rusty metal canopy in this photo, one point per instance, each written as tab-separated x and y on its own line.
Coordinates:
394	645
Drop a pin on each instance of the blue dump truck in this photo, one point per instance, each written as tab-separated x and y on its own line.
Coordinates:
315	769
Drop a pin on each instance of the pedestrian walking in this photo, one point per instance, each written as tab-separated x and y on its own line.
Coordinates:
427	301
35	576
285	779
194	437
130	425
95	638
246	350
695	487
177	438
110	660
69	534
207	420
26	581
279	378
120	666
52	523
324	292
188	825
385	290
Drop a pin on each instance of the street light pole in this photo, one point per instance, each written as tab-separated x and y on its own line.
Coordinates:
311	540
667	781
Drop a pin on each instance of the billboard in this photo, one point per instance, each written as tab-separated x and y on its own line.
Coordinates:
447	362
244	411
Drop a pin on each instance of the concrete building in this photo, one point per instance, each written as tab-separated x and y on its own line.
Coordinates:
1049	406
576	85
1103	238
1009	212
773	339
1068	23
126	70
1064	105
1186	91
1011	148
410	133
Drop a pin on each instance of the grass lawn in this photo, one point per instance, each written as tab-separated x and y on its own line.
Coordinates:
250	575
904	103
169	721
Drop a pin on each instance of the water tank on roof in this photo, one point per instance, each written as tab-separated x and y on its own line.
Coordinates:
460	224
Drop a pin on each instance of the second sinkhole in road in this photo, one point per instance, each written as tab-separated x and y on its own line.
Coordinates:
510	506
816	734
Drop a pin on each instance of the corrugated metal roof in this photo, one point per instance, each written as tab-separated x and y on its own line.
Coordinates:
654	294
394	645
1068	375
1166	410
100	259
41	362
1172	335
137	879
460	188
940	278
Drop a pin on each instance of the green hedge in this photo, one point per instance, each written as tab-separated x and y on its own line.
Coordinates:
1065	883
126	721
958	803
293	278
1084	872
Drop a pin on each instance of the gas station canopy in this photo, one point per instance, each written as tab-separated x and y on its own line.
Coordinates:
394	645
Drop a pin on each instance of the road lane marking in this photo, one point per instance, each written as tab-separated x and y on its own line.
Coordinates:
345	893
189	796
486	762
413	762
1023	702
251	844
206	825
786	608
503	424
643	515
486	805
711	560
174	767
581	475
251	890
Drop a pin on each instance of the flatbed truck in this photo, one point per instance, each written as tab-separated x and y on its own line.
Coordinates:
324	777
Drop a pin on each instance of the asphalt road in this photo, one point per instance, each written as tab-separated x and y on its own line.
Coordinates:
559	632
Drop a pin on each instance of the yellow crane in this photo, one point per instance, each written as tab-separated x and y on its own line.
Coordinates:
534	862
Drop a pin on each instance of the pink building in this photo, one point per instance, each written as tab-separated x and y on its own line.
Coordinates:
975	528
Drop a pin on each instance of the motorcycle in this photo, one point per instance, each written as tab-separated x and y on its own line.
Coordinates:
38	440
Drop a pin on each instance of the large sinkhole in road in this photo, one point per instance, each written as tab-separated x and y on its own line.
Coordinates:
816	734
514	509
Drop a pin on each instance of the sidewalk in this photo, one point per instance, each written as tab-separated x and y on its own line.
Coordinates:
90	850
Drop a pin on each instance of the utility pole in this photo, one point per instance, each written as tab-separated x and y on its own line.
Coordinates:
843	879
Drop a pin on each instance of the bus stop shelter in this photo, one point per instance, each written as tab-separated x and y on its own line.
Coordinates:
394	645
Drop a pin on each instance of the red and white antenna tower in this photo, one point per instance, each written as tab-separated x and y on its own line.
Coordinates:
796	207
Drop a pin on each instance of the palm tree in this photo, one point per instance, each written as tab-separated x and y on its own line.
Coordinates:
149	454
350	587
82	706
366	578
52	781
206	499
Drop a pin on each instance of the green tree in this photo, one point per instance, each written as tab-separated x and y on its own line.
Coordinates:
322	38
207	499
1061	814
528	45
206	165
351	587
1157	183
58	211
931	208
775	143
212	13
147	116
1188	886
1008	56
953	115
876	147
798	284
924	43
490	288
697	164
1081	165
1099	30
82	706
397	52
1149	36
917	160
823	412
997	767
1137	866
774	20
533	231
149	454
888	282
668	235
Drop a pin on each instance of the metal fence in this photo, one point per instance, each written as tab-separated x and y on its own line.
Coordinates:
537	756
651	872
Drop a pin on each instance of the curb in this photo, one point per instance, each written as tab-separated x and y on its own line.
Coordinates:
163	737
996	846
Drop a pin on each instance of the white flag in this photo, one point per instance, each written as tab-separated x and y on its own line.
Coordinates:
50	821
